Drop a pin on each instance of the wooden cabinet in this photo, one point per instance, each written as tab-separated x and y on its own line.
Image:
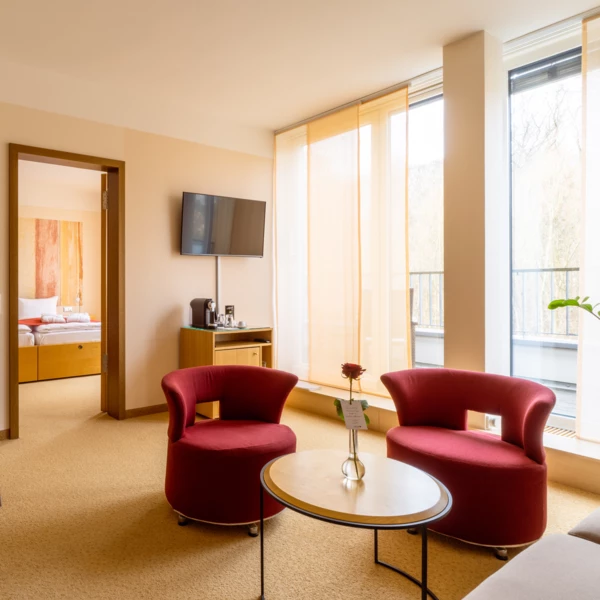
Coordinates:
198	347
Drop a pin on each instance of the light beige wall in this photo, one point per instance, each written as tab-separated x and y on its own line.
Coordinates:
159	282
464	204
91	249
476	206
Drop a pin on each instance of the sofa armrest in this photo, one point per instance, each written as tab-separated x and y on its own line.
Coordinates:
558	567
589	528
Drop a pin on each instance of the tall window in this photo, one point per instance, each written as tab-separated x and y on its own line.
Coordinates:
546	142
426	228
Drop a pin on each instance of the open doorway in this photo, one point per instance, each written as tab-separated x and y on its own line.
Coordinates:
66	258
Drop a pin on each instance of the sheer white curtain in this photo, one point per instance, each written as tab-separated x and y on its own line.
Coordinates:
340	205
588	387
291	252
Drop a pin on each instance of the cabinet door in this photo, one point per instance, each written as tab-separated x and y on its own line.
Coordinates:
226	357
240	356
249	356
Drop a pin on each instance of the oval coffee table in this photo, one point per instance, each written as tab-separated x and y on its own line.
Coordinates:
392	495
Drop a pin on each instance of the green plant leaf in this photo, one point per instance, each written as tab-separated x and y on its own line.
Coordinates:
556	304
338	409
584	305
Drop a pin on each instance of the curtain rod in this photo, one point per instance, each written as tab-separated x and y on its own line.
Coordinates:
435	75
549	31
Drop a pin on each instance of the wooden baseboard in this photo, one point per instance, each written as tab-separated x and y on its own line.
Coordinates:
145	410
4	435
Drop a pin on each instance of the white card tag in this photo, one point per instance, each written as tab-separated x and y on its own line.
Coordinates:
354	417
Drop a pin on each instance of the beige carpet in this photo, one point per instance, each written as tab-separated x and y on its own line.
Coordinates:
84	517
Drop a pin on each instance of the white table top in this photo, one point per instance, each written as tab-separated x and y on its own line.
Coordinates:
391	492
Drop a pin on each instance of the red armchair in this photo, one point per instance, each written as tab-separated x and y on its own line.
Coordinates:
498	483
213	466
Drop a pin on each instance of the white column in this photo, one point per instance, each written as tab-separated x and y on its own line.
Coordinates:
476	206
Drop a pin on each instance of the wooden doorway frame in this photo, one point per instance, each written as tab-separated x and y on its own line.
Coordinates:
115	271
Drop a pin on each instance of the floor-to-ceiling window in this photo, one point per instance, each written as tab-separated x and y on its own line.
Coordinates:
426	227
341	243
546	142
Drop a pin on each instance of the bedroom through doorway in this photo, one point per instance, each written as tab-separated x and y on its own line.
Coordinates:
60	281
66	279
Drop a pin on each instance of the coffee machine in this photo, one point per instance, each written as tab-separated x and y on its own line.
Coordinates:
204	313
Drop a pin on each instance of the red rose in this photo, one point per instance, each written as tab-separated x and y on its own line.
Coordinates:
352	371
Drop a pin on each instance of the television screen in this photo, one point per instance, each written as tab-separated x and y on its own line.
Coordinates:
221	226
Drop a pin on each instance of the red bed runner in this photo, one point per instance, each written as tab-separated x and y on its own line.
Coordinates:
37	322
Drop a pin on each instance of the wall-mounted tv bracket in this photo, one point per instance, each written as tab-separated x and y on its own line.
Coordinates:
217	282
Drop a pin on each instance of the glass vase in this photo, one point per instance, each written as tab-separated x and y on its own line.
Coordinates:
352	467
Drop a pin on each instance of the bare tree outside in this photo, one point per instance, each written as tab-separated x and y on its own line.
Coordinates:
546	171
426	211
546	141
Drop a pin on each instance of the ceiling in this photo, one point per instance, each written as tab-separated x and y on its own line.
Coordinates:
192	68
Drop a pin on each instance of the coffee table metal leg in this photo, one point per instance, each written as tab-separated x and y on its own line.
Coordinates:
424	563
262	543
376	547
425	591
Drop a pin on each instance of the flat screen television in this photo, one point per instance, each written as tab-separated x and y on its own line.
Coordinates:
222	226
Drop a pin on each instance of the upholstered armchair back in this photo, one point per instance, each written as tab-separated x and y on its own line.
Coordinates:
442	397
244	393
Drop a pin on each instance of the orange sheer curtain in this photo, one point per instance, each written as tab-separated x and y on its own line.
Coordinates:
588	385
333	245
384	320
354	238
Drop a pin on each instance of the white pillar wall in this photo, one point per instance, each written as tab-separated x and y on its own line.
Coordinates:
476	207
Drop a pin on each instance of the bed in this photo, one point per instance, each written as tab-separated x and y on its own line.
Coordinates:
28	355
57	350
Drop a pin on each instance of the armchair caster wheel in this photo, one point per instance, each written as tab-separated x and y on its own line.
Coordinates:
253	530
413	530
501	553
182	521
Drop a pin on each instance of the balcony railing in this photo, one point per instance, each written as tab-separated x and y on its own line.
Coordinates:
428	299
533	289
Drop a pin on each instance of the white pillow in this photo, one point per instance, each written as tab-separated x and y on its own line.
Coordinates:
24	329
52	318
78	318
33	308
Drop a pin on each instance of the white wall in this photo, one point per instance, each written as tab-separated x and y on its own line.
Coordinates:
159	283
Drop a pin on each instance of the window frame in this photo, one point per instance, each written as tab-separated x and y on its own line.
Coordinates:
552	61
